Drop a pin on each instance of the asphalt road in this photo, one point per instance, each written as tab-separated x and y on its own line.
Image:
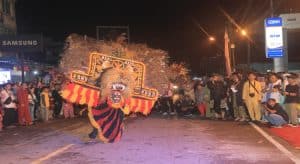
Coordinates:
151	140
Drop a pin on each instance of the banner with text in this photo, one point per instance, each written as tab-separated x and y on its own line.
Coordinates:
274	37
22	43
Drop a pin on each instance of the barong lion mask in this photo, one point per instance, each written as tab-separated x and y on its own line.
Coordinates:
108	73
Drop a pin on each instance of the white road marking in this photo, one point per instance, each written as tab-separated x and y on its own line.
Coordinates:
52	154
276	144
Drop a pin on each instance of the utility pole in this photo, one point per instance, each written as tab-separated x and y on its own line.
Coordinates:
272	8
248	54
280	64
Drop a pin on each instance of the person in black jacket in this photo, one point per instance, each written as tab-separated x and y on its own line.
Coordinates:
275	114
57	101
217	92
235	91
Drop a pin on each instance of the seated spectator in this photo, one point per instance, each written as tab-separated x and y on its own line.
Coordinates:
185	106
275	114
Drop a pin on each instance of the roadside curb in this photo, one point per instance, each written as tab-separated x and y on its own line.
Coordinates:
279	146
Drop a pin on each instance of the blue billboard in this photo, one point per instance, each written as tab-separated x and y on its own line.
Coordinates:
274	37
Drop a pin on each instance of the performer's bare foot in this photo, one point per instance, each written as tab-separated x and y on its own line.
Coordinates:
102	138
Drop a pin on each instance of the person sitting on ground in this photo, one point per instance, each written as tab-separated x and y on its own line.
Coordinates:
275	114
185	106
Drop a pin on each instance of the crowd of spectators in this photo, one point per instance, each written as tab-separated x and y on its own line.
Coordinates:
26	103
266	98
272	98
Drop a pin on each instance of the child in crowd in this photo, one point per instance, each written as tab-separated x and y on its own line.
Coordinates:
68	109
276	94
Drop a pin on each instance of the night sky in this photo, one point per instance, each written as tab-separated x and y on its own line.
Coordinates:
165	24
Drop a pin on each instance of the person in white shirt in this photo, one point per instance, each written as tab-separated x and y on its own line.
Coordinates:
32	101
8	100
276	95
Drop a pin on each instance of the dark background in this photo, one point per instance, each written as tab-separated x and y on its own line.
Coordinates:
165	24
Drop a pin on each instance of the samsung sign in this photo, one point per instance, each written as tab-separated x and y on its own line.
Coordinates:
274	39
22	43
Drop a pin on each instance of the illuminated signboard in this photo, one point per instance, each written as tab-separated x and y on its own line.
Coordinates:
274	39
22	43
5	77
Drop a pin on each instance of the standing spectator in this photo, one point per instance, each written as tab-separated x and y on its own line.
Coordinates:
218	92
45	104
274	81
1	118
8	100
275	114
68	109
23	105
292	99
57	101
32	102
37	93
252	97
202	98
238	105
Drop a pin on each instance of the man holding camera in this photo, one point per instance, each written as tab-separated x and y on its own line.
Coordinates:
275	114
252	97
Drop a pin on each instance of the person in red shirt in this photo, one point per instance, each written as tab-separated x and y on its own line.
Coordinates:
23	105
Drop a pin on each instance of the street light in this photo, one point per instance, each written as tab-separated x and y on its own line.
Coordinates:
212	39
244	33
35	72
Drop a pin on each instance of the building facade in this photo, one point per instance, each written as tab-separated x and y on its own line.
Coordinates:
8	25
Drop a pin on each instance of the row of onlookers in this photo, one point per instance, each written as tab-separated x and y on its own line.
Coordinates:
272	98
22	104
